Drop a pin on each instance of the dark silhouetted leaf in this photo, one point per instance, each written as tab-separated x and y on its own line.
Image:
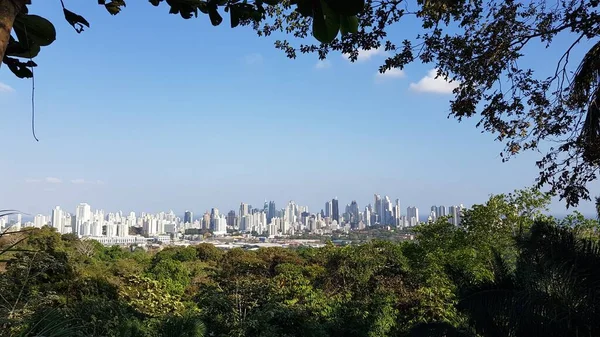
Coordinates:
114	7
34	29
75	20
20	69
346	7
215	17
348	24
326	23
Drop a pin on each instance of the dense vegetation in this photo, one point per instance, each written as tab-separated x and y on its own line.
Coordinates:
500	274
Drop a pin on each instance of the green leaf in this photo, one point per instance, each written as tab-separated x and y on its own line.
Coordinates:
34	28
235	16
348	24
346	7
272	2
203	7
114	7
75	20
304	7
20	69
33	51
326	23
215	17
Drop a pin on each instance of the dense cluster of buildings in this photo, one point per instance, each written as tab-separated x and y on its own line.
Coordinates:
293	219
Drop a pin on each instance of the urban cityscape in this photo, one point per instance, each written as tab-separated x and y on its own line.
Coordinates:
117	228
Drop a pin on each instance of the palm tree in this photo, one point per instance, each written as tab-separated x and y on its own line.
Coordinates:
553	291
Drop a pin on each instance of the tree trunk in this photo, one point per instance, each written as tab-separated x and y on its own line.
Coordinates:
8	11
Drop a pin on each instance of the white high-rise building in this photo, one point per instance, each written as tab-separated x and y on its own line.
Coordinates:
455	213
57	219
220	225
412	216
123	229
39	221
273	230
111	229
433	215
367	216
441	211
83	214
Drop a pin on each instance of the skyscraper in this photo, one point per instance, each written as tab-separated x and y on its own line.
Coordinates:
328	209
57	219
412	215
271	211
83	215
231	219
188	217
441	211
386	214
244	209
455	213
378	207
397	214
434	213
353	210
206	220
335	210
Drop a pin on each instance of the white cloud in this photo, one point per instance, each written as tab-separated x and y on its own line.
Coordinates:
254	58
390	74
53	180
365	55
323	64
33	181
6	88
432	84
80	181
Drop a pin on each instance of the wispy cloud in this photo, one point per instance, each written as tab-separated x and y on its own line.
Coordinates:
33	180
323	64
80	181
365	55
6	88
434	85
390	74
53	180
254	58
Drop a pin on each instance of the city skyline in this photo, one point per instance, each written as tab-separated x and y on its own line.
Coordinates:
312	206
138	227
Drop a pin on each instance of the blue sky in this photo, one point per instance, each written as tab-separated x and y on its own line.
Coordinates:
147	112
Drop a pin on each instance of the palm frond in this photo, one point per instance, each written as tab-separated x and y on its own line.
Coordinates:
439	329
188	325
51	323
585	92
598	208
